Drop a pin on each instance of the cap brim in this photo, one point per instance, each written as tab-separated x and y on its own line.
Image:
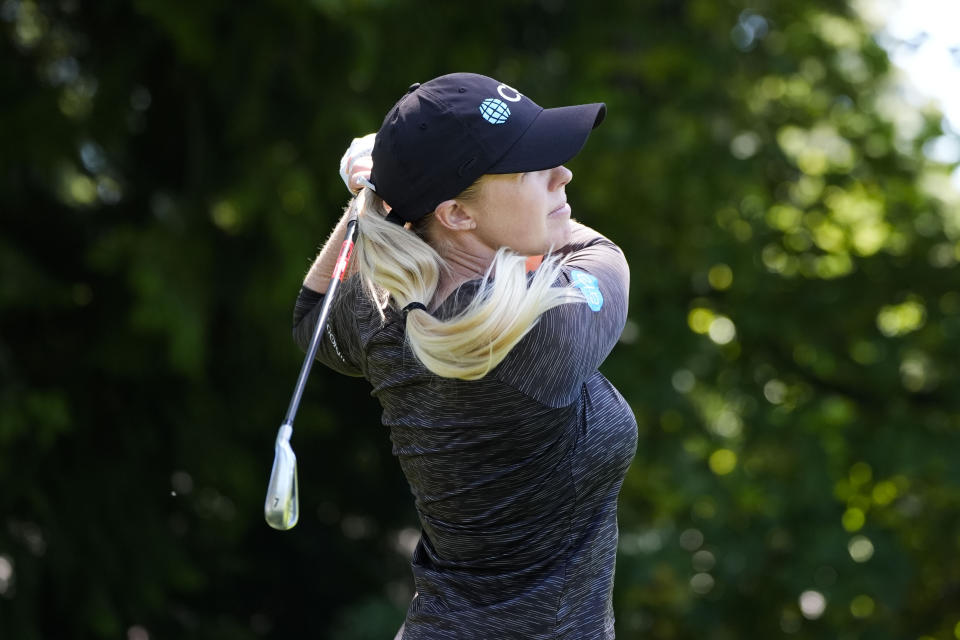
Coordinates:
555	136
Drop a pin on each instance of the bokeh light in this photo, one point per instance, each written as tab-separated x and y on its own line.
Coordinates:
853	519
700	319
6	574
723	461
862	606
884	493
720	277
860	548
691	539
137	632
900	319
702	583
683	381
812	604
703	561
722	330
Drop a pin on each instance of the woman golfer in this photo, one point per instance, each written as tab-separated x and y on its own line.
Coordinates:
514	445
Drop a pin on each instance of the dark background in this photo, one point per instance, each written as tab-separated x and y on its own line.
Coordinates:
169	169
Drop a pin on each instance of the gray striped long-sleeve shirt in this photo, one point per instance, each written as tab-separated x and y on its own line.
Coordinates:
515	476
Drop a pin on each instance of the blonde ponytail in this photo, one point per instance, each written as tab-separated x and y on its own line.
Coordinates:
397	265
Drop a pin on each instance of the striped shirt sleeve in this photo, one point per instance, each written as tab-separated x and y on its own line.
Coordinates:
340	348
571	341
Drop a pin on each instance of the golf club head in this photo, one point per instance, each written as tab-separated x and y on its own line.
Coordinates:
282	506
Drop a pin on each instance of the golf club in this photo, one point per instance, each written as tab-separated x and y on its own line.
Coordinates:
282	506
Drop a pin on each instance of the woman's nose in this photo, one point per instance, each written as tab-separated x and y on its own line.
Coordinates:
561	176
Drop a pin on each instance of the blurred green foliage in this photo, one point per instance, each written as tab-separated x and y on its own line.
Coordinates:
169	169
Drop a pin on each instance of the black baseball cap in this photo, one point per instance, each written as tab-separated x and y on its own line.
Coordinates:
444	134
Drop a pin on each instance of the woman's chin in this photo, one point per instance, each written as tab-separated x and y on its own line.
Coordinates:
561	236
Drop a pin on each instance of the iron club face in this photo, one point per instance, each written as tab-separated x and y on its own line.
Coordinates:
282	506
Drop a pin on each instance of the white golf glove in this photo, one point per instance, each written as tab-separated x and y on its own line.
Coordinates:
357	162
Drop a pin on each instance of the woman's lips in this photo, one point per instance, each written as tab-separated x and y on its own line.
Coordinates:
564	208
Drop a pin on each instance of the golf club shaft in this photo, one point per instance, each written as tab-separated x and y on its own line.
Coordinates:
281	509
338	273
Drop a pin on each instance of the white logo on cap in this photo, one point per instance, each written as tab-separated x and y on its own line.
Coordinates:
494	111
514	98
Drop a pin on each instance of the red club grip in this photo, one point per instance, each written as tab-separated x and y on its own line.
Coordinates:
341	268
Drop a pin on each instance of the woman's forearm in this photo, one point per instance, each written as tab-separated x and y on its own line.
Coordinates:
318	277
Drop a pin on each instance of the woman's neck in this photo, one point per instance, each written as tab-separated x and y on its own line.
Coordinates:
464	264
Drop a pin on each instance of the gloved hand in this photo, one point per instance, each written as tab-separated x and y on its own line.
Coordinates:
357	162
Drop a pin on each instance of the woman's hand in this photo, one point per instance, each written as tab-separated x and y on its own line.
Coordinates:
357	162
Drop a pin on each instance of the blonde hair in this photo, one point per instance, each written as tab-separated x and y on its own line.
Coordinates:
396	264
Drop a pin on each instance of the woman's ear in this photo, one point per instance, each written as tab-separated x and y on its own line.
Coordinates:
452	215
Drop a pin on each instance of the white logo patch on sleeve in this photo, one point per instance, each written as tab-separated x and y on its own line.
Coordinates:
590	287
